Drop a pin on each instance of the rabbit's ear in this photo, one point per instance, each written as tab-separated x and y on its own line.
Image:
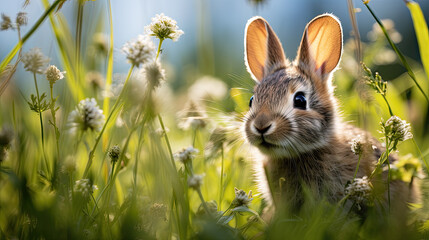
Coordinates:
321	45
263	52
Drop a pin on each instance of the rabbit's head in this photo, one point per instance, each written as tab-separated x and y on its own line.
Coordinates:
293	110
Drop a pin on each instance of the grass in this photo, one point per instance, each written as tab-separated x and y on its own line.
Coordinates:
175	176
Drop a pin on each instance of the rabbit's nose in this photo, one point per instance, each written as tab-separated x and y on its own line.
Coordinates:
262	124
262	129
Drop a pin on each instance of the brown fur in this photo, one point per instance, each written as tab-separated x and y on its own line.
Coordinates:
305	147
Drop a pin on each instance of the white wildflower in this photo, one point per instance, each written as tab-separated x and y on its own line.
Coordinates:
34	61
397	129
357	145
359	190
140	50
53	74
195	181
154	74
84	187
241	198
87	115
186	155
164	27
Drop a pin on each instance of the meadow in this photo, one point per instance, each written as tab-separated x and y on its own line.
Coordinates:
94	154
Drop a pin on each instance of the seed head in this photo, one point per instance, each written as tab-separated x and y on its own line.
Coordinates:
53	74
164	27
87	115
186	155
396	129
95	79
114	153
192	117
154	74
34	61
359	190
84	187
100	43
140	50
69	165
6	23
241	198
195	181
21	19
157	211
6	137
357	145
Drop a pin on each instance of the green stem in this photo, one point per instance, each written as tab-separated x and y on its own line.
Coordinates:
206	208
398	52
54	121
388	105
159	48
18	46
170	152
118	100
41	125
79	20
140	145
357	167
221	179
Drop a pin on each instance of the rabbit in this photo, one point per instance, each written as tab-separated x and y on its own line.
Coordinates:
294	122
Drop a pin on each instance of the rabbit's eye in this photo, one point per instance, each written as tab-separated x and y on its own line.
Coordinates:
299	101
250	101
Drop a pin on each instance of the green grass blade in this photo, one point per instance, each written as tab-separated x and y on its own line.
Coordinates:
13	52
62	33
422	33
109	73
398	52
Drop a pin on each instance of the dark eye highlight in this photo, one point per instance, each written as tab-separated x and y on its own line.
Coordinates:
250	101
299	101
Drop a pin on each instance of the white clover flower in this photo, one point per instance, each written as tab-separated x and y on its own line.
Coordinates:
357	145
164	27
186	155
241	198
34	61
6	23
87	115
359	190
21	19
195	181
154	74
53	74
140	50
84	187
397	129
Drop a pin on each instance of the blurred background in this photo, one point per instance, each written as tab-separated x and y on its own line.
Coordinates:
214	30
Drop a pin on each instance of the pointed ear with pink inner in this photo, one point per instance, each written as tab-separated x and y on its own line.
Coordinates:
263	52
321	45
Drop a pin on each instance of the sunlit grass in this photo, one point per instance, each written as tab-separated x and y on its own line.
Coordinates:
144	171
